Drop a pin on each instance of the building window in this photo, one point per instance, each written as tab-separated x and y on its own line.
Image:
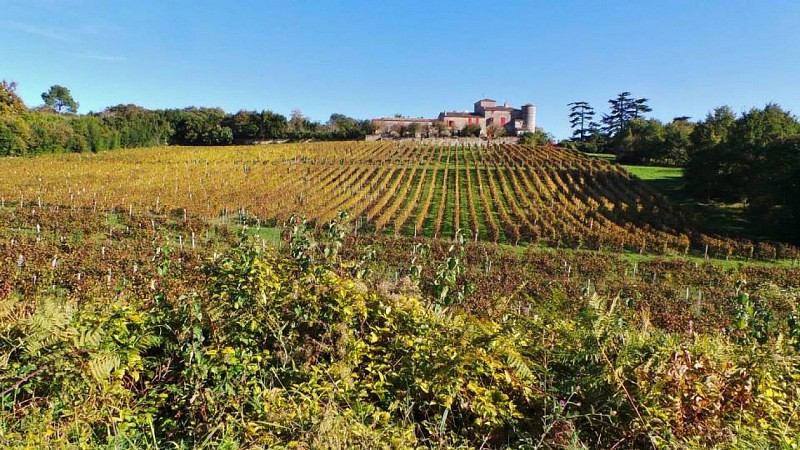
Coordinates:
502	121
450	123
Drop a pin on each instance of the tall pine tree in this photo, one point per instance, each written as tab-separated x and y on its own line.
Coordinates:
580	120
624	108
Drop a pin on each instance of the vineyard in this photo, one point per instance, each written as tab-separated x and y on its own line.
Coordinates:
175	298
504	193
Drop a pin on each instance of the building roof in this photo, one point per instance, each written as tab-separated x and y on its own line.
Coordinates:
486	100
499	108
404	119
459	114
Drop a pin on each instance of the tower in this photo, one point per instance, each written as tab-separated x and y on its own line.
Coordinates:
529	117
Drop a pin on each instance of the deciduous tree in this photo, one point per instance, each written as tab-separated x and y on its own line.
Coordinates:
10	102
471	130
539	137
273	125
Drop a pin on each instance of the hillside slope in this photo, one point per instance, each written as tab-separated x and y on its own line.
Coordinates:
501	193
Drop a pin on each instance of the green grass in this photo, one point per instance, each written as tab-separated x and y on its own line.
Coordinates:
666	174
606	156
428	227
667	180
729	264
268	234
464	218
633	257
448	225
725	219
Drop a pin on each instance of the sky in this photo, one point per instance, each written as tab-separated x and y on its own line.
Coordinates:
372	58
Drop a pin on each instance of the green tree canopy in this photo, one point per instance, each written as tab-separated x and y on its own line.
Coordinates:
677	141
243	125
538	137
60	100
273	125
715	129
762	127
14	135
754	159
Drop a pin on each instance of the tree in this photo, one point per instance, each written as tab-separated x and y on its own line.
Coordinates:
538	137
760	128
217	135
440	129
60	100
714	130
244	125
751	159
200	126
367	127
298	122
344	127
774	190
10	102
677	141
639	141
648	141
624	108
15	135
494	131
273	125
639	106
471	130
758	136
50	133
136	126
342	123
580	119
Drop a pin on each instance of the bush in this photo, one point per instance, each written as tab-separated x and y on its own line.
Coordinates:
290	351
15	135
471	130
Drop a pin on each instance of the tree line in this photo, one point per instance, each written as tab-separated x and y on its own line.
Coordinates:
752	158
56	126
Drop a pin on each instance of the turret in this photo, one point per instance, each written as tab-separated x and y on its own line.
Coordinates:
529	117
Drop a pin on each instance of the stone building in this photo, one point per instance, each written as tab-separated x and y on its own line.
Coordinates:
485	114
398	125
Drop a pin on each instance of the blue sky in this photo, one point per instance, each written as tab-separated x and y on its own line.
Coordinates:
417	58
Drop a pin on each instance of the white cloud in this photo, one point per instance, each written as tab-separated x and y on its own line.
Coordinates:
104	58
47	33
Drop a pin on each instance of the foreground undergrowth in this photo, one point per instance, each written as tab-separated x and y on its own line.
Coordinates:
302	348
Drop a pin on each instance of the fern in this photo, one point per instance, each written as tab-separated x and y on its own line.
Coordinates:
7	306
505	346
47	325
8	323
517	362
103	364
148	341
88	338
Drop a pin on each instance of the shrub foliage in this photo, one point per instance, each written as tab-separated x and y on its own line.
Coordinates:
295	349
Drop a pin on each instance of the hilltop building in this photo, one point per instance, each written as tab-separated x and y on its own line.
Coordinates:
485	114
